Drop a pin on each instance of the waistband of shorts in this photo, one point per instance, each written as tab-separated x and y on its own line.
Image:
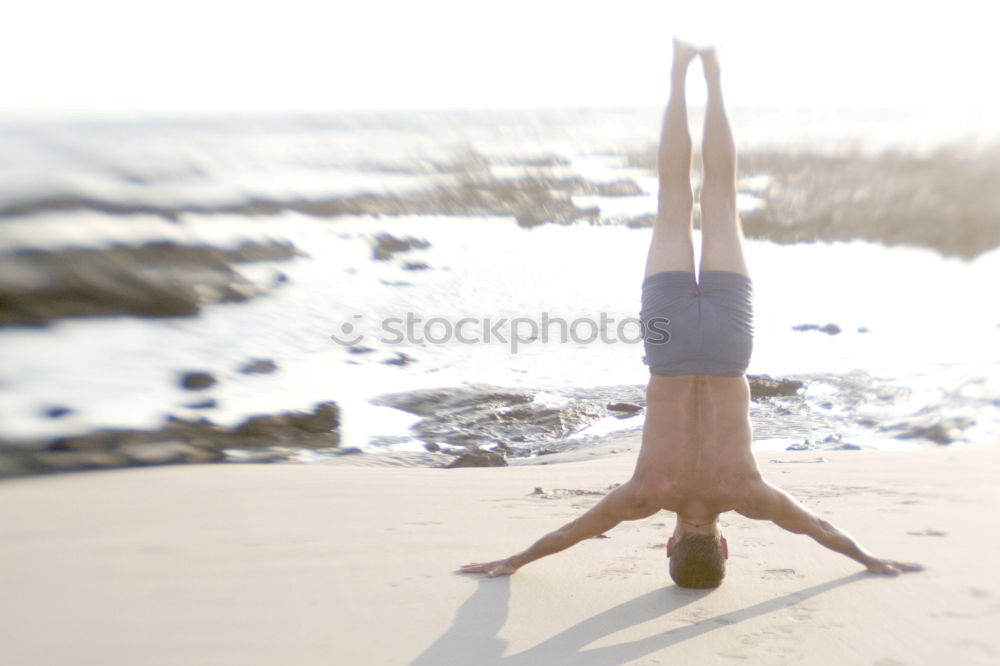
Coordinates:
698	366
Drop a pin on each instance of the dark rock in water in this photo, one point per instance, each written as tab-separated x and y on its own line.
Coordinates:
210	403
804	446
177	441
764	386
57	412
386	245
428	402
289	426
479	415
195	381
399	359
640	222
623	410
359	349
259	366
68	461
155	280
829	329
324	418
936	432
164	453
415	266
619	188
478	459
432	447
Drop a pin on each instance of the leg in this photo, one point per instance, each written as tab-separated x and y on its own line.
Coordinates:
670	248
721	232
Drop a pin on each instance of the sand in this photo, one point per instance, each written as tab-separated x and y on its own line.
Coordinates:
300	565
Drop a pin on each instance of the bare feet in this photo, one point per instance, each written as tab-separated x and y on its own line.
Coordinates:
710	63
684	53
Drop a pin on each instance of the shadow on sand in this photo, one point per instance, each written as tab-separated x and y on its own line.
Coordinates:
472	638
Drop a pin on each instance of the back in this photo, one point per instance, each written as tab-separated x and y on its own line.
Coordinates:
696	441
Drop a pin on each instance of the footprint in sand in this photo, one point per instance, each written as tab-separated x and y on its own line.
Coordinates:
620	568
780	574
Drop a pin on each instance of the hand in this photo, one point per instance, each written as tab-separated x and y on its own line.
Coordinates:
492	569
892	567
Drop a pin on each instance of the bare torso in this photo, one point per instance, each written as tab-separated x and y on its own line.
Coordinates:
695	457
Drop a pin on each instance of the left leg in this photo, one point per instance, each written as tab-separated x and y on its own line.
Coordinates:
721	232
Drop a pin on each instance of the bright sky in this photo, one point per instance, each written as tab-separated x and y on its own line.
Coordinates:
128	56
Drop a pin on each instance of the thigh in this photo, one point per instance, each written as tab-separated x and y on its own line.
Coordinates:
670	248
721	236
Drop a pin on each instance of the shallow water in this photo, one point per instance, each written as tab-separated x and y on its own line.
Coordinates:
912	320
926	330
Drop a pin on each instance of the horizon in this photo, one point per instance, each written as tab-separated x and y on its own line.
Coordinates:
220	58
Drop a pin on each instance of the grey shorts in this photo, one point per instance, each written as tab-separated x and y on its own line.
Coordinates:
697	328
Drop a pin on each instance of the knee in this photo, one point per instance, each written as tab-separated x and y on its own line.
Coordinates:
675	206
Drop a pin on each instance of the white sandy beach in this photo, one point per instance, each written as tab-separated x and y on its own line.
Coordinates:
296	564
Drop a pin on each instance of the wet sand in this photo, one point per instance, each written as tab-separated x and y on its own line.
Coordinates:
333	564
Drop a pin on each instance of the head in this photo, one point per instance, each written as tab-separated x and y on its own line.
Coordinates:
698	558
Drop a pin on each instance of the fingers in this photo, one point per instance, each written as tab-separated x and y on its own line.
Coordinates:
893	568
908	566
491	569
476	567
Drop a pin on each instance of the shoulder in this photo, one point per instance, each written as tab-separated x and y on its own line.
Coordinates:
766	502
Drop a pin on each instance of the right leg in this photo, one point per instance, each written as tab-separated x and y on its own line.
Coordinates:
721	231
670	248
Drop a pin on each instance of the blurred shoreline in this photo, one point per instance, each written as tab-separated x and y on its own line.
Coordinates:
256	238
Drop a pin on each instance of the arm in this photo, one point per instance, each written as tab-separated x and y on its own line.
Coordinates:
775	505
623	503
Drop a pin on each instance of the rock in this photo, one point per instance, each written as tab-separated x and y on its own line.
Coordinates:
316	429
640	221
69	461
77	444
415	266
829	329
428	402
163	453
209	403
432	447
159	279
359	349
57	412
623	410
399	359
619	188
386	245
258	366
195	381
764	386
324	418
806	445
177	441
936	433
481	415
862	329
478	459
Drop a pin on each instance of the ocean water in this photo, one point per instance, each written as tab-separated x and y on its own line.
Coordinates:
912	319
